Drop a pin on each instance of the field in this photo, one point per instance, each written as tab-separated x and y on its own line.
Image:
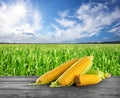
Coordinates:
36	59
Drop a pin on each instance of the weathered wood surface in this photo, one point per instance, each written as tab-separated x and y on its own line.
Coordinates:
17	87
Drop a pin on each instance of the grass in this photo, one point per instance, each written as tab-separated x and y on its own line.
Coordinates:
36	59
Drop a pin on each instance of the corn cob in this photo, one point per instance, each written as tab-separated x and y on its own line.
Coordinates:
87	79
67	78
99	73
55	73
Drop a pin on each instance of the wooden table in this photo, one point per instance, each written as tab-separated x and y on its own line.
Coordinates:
17	87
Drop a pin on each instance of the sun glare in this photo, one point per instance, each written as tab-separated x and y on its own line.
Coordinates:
19	10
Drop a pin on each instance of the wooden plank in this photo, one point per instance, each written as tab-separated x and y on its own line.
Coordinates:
17	87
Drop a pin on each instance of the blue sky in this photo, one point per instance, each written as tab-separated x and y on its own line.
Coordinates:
59	21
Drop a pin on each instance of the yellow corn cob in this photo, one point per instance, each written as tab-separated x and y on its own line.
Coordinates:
67	78
55	73
87	79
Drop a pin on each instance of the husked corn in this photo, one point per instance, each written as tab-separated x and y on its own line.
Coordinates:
87	79
55	73
67	78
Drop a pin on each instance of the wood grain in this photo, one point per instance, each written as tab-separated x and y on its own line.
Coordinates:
17	87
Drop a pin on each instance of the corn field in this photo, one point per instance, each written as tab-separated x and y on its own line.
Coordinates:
36	59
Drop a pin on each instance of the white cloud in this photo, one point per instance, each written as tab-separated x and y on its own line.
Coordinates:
118	24
17	19
92	19
66	22
37	20
116	30
85	22
63	14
